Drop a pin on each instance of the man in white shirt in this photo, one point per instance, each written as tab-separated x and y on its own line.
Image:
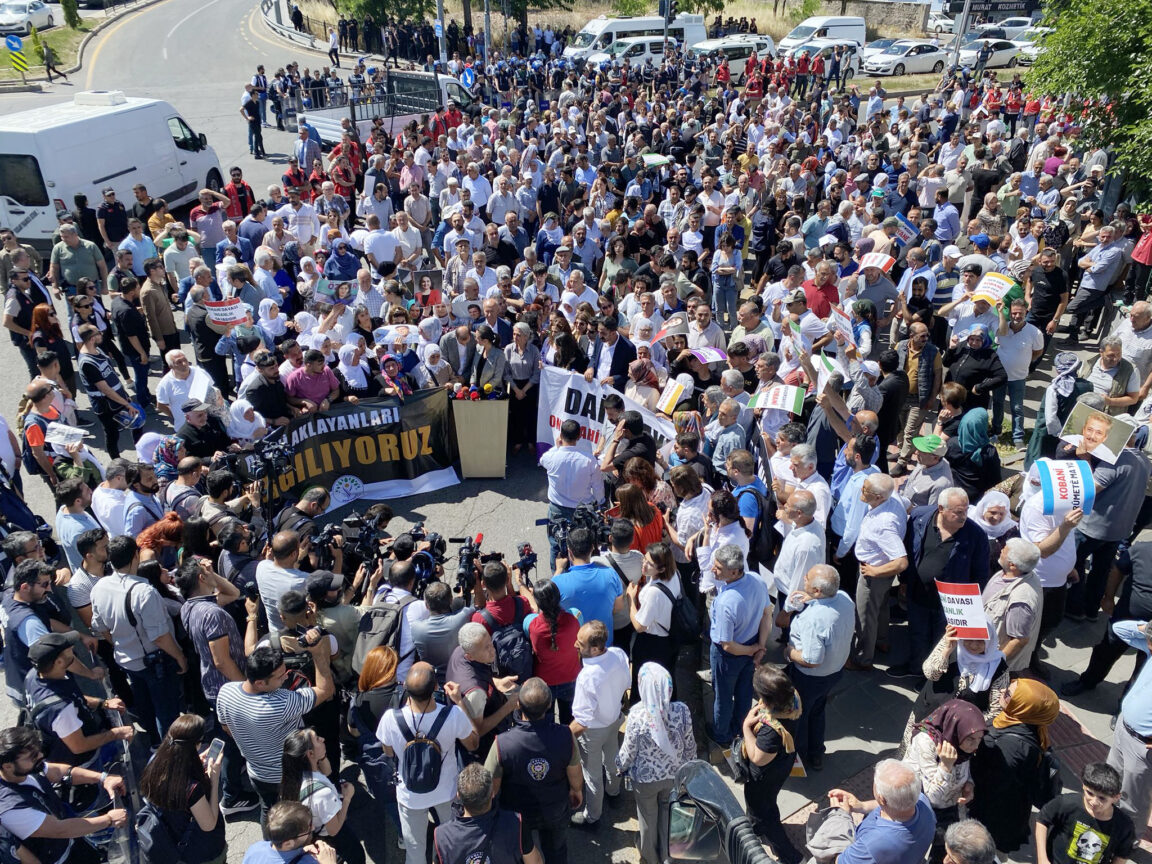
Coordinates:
379	245
600	686
880	550
182	382
1019	344
484	275
803	546
303	222
803	464
574	477
703	332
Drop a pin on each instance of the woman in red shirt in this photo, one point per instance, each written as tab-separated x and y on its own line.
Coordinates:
647	522
552	634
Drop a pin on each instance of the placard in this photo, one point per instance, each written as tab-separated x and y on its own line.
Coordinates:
993	287
877	259
1066	484
62	435
783	397
674	325
708	354
655	160
226	312
670	398
963	609
843	322
1094	433
906	231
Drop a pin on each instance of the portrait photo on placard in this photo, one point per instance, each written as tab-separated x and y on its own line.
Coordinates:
1092	433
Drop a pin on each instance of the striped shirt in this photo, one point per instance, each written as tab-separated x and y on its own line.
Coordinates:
260	723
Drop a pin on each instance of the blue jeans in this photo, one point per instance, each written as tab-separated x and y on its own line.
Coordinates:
1015	393
732	686
263	103
562	695
157	694
140	371
725	300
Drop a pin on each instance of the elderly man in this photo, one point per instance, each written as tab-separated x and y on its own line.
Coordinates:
802	461
232	239
968	842
1101	267
206	335
943	545
74	258
182	383
730	436
741	623
931	476
1013	601
156	303
920	359
880	550
802	549
900	823
819	642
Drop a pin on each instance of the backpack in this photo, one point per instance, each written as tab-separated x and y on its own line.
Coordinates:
379	769
160	842
1049	783
422	759
381	625
513	650
684	623
761	542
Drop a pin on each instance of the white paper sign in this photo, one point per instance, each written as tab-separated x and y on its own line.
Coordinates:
1066	485
963	609
61	434
226	312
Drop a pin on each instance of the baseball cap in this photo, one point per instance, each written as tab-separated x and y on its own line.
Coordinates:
932	444
194	405
323	581
50	646
796	295
870	367
972	268
980	240
952	252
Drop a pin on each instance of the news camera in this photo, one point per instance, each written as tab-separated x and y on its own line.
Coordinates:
585	516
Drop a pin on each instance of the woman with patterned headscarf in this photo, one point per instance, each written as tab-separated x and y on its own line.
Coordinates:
168	454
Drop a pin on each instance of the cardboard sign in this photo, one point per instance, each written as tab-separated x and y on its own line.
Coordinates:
326	293
843	322
406	333
670	398
993	287
905	232
963	609
708	354
877	259
61	434
674	325
655	160
1096	434
783	397
226	312
1066	485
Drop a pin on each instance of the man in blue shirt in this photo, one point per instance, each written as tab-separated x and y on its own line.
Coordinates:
741	624
850	508
1131	752
900	823
741	467
819	642
594	589
289	836
947	218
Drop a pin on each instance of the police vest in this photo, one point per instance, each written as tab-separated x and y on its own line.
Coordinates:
493	838
23	317
534	757
16	662
37	796
46	700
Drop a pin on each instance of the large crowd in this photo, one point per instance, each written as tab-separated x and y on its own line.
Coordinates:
169	635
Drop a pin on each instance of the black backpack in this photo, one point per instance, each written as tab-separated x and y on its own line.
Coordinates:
161	842
684	623
513	650
761	542
381	625
422	759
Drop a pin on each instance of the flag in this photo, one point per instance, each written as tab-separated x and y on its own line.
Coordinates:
783	397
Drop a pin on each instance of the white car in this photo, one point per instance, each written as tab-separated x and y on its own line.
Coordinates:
20	16
737	49
938	22
874	47
1031	43
1004	53
637	50
905	57
1013	27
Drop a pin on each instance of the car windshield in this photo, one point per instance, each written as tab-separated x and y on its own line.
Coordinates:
1031	35
583	39
972	37
882	43
895	49
619	47
802	32
14	8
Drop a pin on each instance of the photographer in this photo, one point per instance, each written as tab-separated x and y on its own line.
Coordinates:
627	562
594	589
275	576
299	517
238	565
329	600
219	509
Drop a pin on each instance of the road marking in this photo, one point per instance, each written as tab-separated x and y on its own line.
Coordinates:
277	43
178	24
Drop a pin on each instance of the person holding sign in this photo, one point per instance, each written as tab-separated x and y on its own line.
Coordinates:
974	364
1012	600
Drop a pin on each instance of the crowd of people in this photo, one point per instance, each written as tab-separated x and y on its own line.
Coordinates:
637	230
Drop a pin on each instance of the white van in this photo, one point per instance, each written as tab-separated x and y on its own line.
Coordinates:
637	50
599	33
826	27
101	138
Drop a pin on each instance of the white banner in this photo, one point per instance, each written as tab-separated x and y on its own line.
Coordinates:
229	311
567	396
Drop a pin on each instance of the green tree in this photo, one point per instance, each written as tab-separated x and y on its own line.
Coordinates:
1099	51
71	13
400	10
631	7
37	45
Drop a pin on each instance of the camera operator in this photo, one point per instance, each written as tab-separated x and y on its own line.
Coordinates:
299	517
279	574
504	603
435	637
594	589
401	577
219	509
574	478
627	563
328	599
238	565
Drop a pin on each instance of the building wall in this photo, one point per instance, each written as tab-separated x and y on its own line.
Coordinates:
882	16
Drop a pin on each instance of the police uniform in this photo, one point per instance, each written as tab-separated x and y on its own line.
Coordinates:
495	837
47	699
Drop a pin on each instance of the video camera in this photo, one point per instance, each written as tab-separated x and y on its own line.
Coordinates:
466	561
586	516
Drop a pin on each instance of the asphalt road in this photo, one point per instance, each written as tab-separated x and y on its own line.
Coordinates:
197	55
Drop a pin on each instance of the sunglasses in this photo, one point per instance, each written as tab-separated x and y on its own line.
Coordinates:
83	305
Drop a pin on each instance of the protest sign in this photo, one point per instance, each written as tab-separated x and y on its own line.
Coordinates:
906	231
992	287
783	397
1096	434
225	312
1066	484
61	434
670	398
963	608
843	322
708	354
877	259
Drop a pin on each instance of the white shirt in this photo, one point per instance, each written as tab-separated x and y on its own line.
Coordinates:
272	580
303	222
1015	350
485	280
801	550
732	533
881	537
1137	347
599	688
1035	526
382	245
604	366
818	486
108	505
655	612
456	728
173	392
574	477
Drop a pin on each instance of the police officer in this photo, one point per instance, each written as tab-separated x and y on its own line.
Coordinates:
70	723
19	304
32	811
484	833
536	768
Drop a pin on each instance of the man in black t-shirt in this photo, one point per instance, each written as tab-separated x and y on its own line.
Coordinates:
1088	828
267	393
250	111
1046	292
203	433
133	331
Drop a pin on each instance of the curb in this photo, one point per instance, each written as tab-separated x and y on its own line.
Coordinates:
33	85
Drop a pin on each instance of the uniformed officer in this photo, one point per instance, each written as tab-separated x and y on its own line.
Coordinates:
536	768
484	833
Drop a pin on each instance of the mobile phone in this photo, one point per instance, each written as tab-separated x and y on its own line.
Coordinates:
214	750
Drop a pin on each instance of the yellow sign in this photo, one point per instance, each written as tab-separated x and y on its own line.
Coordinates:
19	61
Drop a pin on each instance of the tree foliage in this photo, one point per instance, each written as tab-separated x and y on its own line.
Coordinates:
71	13
1100	53
37	45
399	10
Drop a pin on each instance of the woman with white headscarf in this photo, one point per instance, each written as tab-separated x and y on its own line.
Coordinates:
305	323
657	741
274	324
307	280
245	423
993	513
356	379
433	370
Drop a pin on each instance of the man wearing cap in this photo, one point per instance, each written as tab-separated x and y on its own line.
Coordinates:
203	433
176	387
931	476
74	258
969	308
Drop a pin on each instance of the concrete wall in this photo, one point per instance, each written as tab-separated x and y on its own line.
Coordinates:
883	16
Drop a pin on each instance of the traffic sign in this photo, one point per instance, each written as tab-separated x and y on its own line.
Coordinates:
438	28
468	77
19	61
14	43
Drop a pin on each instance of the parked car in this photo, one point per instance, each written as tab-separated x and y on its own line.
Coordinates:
1031	43
938	23
737	49
20	16
825	47
1004	53
907	56
985	31
637	50
1013	27
875	47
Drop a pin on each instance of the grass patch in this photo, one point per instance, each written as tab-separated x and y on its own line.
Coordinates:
64	41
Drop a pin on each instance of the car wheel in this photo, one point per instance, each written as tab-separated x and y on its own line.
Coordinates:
938	68
214	182
898	69
51	21
1012	62
939	29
